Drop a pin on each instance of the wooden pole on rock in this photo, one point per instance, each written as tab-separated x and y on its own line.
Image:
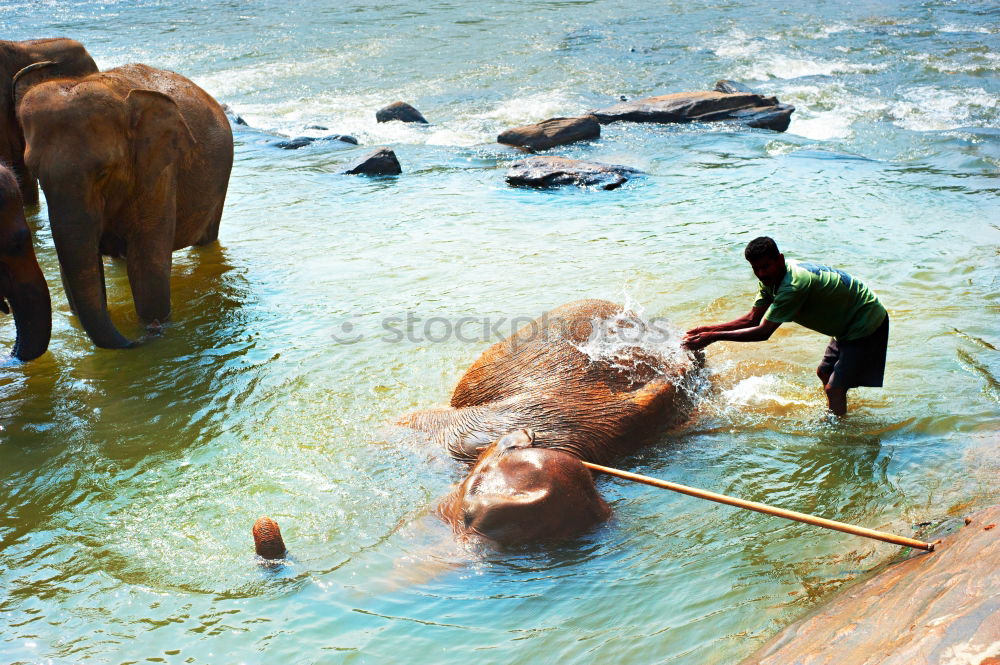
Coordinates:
764	508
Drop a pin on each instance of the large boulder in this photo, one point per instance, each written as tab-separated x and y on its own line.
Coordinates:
556	171
552	132
748	108
379	162
400	111
937	607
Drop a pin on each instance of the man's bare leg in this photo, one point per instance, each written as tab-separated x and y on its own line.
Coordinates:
836	399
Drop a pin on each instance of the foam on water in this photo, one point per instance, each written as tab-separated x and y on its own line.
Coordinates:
763	390
629	342
926	108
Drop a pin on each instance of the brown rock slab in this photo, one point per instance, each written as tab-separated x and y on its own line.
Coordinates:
400	111
379	162
558	171
552	132
939	608
748	108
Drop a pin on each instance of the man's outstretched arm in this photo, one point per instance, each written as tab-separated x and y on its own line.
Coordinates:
748	320
758	332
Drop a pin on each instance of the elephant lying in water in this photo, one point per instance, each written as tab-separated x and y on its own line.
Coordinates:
23	290
545	378
582	382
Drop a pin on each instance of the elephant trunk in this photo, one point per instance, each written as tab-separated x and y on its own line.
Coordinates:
28	297
76	235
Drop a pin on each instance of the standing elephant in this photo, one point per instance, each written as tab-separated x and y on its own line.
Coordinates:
23	290
575	378
518	493
134	163
69	59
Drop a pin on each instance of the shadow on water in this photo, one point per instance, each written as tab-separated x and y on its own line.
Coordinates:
81	425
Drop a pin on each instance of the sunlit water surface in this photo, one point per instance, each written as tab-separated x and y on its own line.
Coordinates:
130	479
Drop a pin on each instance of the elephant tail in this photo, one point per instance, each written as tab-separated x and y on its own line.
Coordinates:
267	539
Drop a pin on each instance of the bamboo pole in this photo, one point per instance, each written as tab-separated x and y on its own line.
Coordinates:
764	508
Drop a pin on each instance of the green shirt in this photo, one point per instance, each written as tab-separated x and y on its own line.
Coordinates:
823	299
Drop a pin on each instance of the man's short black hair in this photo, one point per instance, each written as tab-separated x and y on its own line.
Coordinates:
761	248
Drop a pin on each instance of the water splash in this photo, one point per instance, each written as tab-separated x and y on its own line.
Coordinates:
642	348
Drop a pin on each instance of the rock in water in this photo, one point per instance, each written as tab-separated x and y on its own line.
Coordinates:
706	106
915	612
552	132
294	144
233	116
731	87
399	111
555	171
303	141
380	162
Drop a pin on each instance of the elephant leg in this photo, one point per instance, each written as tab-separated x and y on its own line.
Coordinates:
148	261
28	185
660	403
212	232
463	432
69	292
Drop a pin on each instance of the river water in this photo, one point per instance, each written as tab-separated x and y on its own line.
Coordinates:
129	479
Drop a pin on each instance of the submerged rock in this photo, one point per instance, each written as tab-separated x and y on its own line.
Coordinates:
552	132
294	144
399	111
379	162
303	141
750	109
557	171
911	613
234	117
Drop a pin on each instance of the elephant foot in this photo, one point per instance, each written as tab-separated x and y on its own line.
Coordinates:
154	327
267	539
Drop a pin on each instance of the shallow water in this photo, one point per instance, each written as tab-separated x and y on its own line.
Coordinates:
130	480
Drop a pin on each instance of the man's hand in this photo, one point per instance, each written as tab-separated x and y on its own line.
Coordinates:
697	338
700	329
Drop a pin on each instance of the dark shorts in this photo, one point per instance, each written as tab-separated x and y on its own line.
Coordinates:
858	362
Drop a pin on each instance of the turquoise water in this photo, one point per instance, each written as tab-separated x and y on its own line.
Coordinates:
130	479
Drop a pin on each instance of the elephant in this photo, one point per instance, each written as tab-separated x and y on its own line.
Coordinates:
23	290
69	59
267	540
518	493
575	378
134	163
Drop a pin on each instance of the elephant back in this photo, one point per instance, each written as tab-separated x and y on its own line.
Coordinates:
551	355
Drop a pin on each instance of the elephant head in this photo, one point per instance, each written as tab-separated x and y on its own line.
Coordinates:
68	58
23	291
108	154
518	493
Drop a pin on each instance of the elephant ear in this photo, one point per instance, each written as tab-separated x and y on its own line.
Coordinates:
160	136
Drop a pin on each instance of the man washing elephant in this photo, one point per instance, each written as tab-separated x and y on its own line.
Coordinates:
817	297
